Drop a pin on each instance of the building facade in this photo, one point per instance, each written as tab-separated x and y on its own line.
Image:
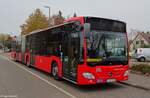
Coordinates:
141	40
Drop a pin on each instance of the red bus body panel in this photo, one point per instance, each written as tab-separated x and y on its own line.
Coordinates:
20	56
13	55
45	63
81	19
101	73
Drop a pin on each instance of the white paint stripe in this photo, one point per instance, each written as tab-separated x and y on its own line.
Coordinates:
60	89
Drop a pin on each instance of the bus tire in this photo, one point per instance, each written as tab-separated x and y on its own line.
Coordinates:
15	59
55	71
27	62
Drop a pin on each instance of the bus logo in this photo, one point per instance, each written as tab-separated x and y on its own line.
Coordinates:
110	74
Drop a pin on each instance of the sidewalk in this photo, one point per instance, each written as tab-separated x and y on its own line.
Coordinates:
139	81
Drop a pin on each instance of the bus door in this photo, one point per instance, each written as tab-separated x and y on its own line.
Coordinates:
33	44
23	48
70	50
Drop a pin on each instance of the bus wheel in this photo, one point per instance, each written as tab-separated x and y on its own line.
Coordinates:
15	59
55	71
28	63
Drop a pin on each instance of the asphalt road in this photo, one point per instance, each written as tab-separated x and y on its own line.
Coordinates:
19	81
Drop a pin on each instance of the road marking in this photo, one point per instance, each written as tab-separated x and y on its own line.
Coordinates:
46	81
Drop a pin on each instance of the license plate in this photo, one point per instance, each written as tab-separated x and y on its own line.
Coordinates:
110	80
99	81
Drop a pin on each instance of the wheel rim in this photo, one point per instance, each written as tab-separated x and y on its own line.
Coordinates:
28	64
142	59
15	58
55	71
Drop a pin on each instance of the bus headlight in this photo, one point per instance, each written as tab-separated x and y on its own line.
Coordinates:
126	73
88	75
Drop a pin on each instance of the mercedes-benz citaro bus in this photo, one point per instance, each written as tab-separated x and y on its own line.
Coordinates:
82	50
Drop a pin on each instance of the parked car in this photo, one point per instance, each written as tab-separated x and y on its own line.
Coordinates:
142	54
6	49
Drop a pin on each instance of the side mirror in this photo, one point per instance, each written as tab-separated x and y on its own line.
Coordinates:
87	28
78	27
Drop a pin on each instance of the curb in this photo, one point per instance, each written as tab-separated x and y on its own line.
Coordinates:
135	85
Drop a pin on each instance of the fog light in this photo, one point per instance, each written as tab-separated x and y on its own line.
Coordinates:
88	75
126	73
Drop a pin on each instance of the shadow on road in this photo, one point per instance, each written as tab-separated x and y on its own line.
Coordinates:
83	88
97	87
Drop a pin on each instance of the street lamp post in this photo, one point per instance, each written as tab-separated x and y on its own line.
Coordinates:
49	13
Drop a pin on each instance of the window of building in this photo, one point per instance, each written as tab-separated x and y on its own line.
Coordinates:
137	42
142	41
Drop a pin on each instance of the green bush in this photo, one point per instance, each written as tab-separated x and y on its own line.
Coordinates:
143	68
146	46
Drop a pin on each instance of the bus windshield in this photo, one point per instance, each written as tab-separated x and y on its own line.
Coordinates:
106	48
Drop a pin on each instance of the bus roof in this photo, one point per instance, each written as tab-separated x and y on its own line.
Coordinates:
85	17
70	21
45	29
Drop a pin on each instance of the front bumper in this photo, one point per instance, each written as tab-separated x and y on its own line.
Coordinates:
102	74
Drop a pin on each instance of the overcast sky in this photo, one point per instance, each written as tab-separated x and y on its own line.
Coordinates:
136	13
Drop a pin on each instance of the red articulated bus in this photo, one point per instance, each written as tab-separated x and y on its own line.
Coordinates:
82	50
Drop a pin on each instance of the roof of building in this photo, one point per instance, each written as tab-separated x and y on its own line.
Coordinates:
146	36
